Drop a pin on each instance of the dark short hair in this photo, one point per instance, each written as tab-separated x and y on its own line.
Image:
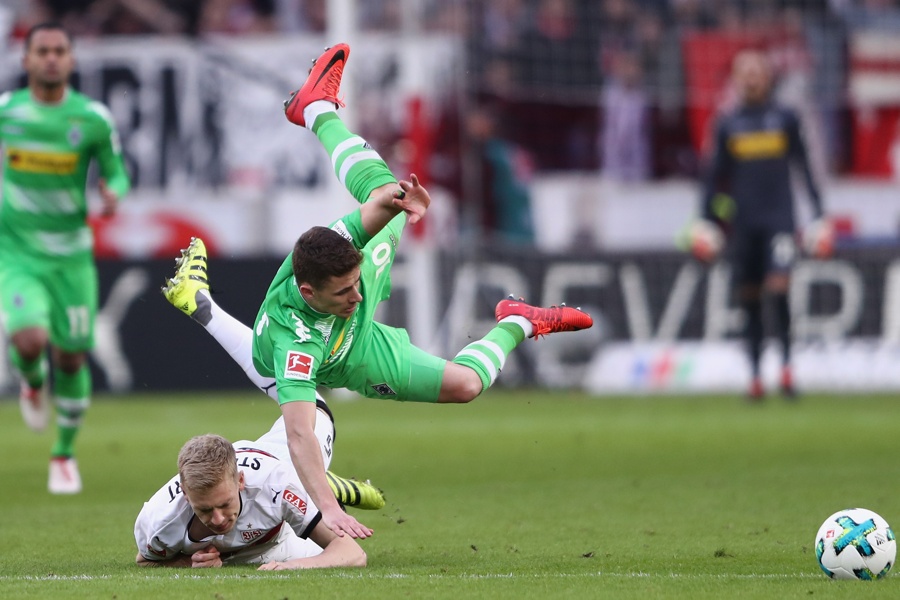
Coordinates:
322	253
46	26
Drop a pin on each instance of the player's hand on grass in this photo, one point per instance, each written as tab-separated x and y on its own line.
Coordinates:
413	199
207	558
341	523
110	200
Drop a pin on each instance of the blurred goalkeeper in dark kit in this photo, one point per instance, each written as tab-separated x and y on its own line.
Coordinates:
754	147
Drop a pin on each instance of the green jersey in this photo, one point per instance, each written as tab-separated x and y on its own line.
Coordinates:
47	149
302	348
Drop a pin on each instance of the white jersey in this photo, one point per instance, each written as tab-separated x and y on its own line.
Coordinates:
272	498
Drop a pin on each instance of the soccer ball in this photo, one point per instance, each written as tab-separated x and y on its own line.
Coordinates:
706	240
818	239
855	544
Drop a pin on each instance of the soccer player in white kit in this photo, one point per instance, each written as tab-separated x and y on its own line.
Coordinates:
241	503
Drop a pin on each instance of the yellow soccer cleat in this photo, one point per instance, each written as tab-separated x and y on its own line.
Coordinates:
183	290
358	494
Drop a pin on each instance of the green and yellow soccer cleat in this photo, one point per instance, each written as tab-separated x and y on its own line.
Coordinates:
358	494
183	290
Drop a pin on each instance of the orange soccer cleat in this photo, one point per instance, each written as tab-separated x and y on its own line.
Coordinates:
545	320
323	83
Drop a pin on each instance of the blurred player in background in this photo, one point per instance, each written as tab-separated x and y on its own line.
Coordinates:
48	280
240	504
755	145
316	324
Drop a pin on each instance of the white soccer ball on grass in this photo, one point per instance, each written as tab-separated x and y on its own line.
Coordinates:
855	543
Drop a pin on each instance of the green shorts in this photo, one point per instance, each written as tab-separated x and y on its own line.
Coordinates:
394	369
58	297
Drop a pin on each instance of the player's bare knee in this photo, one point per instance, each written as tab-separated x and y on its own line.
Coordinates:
29	343
69	362
468	389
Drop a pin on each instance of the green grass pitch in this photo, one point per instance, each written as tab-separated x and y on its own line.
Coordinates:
522	494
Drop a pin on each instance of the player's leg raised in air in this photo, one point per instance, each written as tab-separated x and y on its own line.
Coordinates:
476	367
365	175
356	164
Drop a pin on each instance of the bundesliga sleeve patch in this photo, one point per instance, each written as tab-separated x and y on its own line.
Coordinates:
295	501
298	366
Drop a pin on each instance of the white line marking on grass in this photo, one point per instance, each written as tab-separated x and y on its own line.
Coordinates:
377	576
52	577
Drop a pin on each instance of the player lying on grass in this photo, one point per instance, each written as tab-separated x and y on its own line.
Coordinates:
242	503
316	325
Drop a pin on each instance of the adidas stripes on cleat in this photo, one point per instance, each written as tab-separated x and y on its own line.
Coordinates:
358	494
545	320
183	290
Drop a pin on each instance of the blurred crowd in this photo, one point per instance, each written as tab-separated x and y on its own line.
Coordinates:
229	17
553	84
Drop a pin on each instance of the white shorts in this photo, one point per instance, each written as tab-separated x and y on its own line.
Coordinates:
274	441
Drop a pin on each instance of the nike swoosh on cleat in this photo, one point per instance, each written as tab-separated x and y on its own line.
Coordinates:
334	59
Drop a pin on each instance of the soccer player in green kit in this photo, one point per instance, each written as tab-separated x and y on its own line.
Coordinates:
48	279
316	325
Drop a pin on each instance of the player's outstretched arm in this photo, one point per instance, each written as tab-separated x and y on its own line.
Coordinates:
412	198
299	422
336	552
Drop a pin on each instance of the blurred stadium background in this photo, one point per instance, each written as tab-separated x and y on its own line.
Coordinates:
561	140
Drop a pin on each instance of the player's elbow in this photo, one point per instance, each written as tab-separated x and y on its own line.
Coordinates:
346	553
140	561
358	558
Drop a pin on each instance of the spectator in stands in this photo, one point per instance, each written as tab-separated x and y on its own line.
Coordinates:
555	52
503	23
447	16
617	30
238	17
504	170
625	133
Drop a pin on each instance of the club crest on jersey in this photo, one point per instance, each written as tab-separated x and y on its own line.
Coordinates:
250	535
75	135
384	389
298	366
294	500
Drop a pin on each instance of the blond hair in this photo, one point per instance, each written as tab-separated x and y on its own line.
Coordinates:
205	461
